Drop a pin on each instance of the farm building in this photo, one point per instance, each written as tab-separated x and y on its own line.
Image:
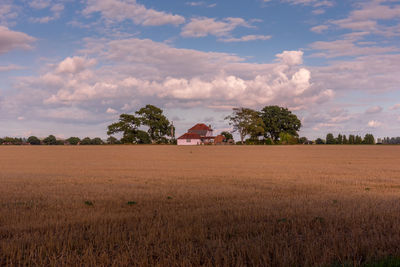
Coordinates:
200	134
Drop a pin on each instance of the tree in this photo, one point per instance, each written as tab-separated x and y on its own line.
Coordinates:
287	139
246	121
73	140
96	141
112	140
128	125
86	141
352	139
339	139
345	141
227	135
330	140
1	141
369	139
33	140
358	140
303	140
159	125
277	120
319	141
50	140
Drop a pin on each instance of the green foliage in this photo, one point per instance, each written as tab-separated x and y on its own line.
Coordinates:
73	140
33	140
96	141
319	141
330	140
130	203
287	139
159	125
246	121
358	140
345	141
303	140
86	141
113	141
227	135
1	141
339	139
369	139
352	139
50	140
279	120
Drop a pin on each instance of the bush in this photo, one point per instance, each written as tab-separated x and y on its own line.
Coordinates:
287	139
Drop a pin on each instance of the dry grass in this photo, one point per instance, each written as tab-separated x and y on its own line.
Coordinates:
185	206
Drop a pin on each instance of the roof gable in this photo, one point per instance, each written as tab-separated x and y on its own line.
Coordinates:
190	136
200	126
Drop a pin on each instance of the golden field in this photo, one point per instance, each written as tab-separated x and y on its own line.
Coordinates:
191	206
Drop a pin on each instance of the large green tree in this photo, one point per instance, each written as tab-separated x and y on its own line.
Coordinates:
279	120
330	140
157	123
246	121
50	140
369	139
73	140
33	140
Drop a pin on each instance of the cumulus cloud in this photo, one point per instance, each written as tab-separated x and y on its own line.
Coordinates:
291	57
201	27
10	40
142	71
120	10
74	65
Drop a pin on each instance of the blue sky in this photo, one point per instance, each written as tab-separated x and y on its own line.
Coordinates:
70	67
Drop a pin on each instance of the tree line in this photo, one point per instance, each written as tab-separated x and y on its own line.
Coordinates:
368	139
149	125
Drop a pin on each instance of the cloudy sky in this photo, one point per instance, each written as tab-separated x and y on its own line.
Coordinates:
69	67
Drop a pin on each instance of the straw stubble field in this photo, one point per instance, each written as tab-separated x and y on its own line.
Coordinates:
190	206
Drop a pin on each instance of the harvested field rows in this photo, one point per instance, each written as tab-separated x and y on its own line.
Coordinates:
190	206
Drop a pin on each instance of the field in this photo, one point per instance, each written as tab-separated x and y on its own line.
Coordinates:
190	206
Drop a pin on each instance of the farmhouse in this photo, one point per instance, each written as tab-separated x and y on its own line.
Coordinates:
200	134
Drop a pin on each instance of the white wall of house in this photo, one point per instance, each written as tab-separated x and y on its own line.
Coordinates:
209	133
189	142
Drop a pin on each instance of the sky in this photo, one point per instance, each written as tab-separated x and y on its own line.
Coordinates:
70	67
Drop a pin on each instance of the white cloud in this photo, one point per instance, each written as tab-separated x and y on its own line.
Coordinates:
374	124
291	57
74	65
201	27
247	38
374	110
111	111
7	12
120	10
10	40
142	71
395	107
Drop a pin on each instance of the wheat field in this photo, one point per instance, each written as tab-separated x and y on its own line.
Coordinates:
199	206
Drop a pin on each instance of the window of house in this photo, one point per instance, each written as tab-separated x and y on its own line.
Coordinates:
188	141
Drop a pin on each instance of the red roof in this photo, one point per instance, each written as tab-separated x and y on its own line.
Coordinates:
190	136
201	126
